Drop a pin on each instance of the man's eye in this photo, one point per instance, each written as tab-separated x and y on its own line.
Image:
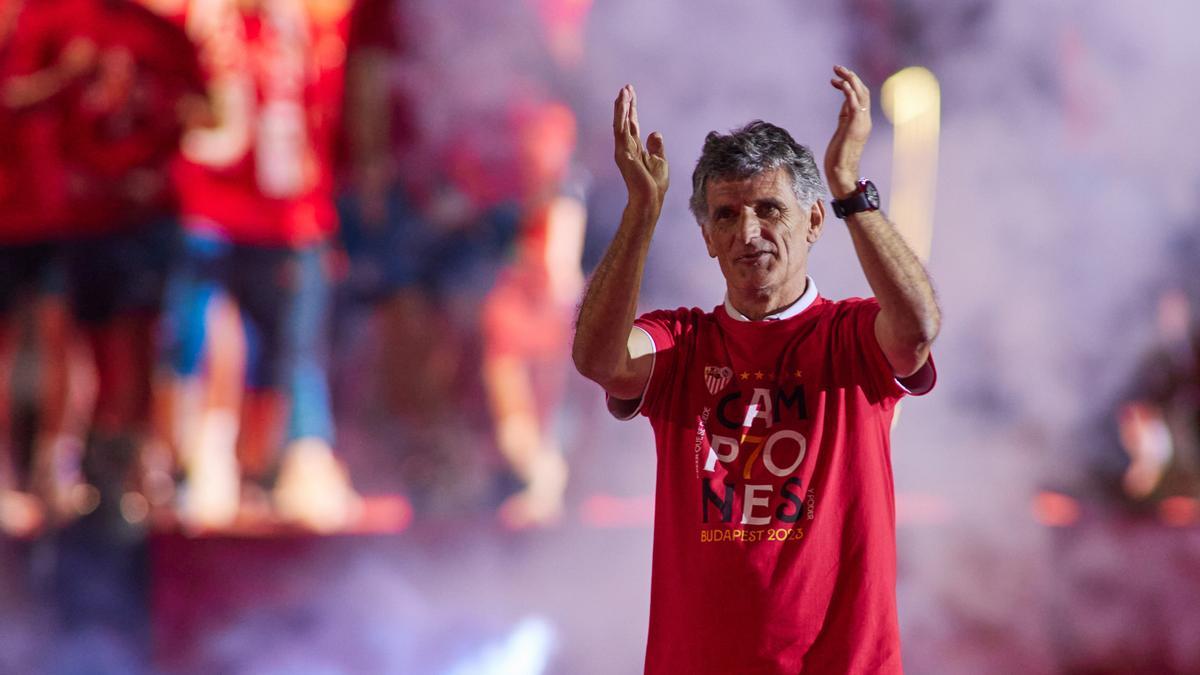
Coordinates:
767	211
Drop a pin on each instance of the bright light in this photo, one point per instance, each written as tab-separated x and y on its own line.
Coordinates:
525	651
910	93
912	102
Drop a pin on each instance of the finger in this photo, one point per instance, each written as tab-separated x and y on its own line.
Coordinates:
619	113
634	127
621	118
852	98
860	88
847	109
654	145
840	85
839	132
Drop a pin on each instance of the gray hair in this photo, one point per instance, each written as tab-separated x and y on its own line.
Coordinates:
757	147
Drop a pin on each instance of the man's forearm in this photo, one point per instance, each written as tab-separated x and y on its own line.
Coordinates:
610	302
897	277
27	91
909	319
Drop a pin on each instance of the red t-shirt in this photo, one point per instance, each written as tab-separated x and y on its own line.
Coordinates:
774	525
118	125
266	176
32	180
120	149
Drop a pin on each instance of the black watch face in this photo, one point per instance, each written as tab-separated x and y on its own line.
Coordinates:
871	193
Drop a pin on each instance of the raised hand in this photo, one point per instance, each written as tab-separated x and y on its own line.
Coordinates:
854	126
644	167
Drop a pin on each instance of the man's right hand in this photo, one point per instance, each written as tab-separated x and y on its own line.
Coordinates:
644	167
608	350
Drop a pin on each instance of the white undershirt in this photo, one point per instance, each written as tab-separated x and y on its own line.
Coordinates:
805	300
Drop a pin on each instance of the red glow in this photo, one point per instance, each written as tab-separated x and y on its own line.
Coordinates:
1179	511
383	514
1054	509
379	514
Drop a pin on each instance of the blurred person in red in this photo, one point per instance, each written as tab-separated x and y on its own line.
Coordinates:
424	219
258	213
387	178
32	228
527	316
119	114
425	216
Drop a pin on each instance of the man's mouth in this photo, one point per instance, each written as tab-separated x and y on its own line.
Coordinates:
755	258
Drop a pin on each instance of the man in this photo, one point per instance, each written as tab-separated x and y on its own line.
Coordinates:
258	212
526	317
774	542
119	84
33	225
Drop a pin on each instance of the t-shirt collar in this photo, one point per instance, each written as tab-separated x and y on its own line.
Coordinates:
807	298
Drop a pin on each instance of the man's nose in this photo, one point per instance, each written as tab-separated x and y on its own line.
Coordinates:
749	227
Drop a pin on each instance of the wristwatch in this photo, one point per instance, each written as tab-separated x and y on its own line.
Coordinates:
866	198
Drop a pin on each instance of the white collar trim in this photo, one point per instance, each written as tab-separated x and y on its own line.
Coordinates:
803	303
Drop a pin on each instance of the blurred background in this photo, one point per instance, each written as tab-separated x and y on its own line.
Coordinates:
286	292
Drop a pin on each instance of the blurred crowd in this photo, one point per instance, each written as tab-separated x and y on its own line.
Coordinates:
1158	417
196	194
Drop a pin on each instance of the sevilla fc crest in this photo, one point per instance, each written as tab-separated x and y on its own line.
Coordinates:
716	378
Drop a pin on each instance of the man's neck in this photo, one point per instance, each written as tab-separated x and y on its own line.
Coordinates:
756	307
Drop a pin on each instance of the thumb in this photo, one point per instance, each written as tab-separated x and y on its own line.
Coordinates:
655	144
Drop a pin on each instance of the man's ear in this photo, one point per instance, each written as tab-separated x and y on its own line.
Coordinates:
816	221
708	242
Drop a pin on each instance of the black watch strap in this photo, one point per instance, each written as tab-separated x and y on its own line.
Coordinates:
866	198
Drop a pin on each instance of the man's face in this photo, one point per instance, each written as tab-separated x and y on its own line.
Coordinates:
760	234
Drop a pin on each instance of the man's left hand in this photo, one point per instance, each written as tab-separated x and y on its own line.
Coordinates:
854	126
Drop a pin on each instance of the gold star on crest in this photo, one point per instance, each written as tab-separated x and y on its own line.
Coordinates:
744	376
758	375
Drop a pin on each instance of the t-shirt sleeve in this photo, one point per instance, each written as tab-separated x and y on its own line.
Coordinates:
665	328
880	379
